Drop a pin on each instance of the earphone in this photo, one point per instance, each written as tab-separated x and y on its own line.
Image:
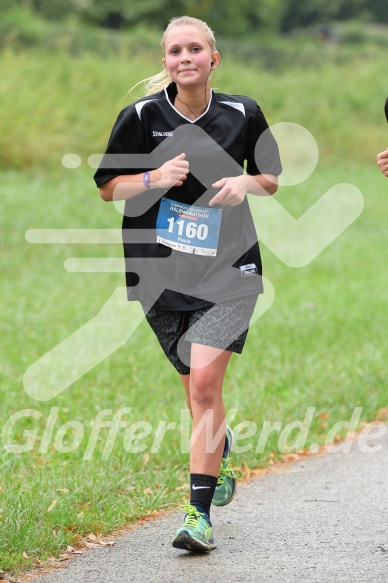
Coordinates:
212	63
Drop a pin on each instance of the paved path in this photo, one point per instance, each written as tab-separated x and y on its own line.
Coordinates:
323	519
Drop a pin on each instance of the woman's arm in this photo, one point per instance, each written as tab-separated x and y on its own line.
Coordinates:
124	186
234	190
171	173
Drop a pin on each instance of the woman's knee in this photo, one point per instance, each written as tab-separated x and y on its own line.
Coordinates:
205	389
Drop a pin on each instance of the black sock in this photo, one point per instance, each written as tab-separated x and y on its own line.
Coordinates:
201	491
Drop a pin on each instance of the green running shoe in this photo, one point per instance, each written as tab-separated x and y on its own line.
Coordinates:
226	484
196	534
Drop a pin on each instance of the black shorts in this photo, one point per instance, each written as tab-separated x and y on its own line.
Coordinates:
224	326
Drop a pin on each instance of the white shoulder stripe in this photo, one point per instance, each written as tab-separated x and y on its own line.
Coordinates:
139	106
238	106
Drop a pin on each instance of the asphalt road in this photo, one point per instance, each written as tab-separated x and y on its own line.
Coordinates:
322	519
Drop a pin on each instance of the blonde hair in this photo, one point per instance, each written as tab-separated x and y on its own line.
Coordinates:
159	81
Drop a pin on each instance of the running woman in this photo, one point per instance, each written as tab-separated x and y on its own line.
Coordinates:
192	258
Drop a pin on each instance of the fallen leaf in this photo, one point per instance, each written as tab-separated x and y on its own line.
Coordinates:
323	415
106	543
92	536
382	414
148	491
291	457
246	470
55	533
70	549
53	505
91	545
25	556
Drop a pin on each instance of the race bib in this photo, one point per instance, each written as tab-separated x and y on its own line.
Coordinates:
190	229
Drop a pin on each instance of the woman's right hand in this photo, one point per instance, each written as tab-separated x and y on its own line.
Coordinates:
172	173
382	161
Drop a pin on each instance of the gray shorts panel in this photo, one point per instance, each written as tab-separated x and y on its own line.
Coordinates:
224	326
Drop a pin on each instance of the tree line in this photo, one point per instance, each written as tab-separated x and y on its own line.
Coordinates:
229	18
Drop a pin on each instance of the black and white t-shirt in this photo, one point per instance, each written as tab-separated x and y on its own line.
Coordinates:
218	144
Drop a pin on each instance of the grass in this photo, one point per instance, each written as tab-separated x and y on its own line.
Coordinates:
54	105
322	344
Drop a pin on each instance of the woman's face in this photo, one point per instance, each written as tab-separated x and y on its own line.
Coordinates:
188	57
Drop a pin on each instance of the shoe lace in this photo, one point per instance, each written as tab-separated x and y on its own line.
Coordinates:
227	472
193	516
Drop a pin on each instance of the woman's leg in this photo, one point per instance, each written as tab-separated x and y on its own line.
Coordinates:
205	392
204	395
185	378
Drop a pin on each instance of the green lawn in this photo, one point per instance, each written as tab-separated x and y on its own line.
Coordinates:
322	344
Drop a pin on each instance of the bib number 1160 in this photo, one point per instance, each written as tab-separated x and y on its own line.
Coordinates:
189	230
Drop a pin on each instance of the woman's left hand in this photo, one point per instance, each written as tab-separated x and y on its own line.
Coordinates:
233	191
